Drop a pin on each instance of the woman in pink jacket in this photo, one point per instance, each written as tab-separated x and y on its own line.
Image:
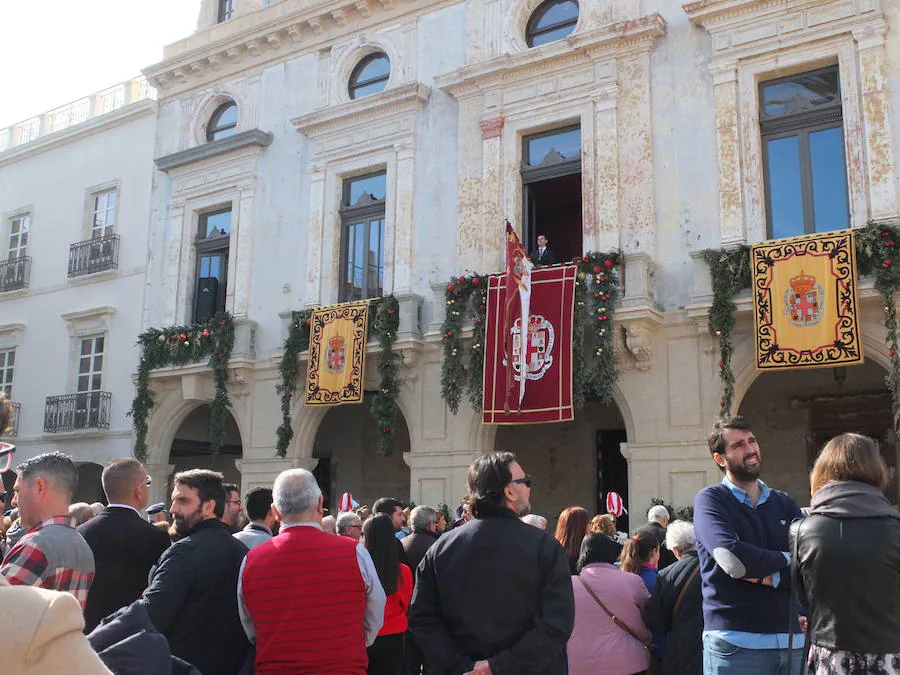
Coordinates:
598	644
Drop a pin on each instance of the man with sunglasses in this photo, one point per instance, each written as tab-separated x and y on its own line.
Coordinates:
125	545
494	596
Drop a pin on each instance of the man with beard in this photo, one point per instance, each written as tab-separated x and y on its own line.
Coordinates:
494	596
192	598
741	528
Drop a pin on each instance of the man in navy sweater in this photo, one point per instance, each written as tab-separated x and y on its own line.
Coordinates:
742	539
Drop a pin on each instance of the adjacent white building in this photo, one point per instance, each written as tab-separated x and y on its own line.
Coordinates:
75	199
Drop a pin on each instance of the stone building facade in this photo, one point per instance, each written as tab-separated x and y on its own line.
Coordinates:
311	152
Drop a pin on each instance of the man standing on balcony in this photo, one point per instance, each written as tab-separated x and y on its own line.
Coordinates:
51	554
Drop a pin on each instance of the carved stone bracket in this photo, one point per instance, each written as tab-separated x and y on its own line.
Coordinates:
635	338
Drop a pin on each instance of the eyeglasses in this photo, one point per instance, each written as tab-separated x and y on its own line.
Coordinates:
148	481
232	501
526	480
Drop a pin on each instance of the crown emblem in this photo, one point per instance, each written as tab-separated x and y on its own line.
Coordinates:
337	342
803	283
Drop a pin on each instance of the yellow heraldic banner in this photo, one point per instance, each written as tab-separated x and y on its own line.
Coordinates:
804	302
337	354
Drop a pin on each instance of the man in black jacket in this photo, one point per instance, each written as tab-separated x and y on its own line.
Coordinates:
424	534
192	598
494	596
125	546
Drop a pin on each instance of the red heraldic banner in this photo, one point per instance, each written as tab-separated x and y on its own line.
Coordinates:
547	345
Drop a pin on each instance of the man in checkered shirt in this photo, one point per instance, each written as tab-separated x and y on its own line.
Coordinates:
51	554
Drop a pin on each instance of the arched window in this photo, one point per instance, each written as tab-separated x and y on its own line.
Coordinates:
223	122
370	75
552	20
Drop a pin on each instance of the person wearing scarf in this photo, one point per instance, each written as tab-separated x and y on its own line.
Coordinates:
848	562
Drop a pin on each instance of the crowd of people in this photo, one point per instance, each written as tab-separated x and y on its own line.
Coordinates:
217	584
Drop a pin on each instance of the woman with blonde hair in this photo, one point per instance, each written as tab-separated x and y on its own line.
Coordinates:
847	554
571	529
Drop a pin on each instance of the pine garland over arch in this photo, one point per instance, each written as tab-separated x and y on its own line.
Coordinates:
179	346
383	325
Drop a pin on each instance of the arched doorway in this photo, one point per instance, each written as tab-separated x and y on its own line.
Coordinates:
191	448
346	446
794	413
574	463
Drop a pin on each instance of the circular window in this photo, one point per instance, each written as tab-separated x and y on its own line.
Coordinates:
552	20
370	75
223	122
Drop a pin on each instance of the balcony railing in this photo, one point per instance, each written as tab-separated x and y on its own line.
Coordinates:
94	255
14	422
85	410
14	273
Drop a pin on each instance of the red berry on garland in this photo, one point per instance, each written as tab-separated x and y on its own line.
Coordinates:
598	295
174	337
293	372
601	278
722	404
477	322
476	281
585	259
889	244
390	310
222	322
722	364
597	269
309	322
609	264
219	356
452	288
386	430
183	336
291	395
886	264
462	280
885	234
206	333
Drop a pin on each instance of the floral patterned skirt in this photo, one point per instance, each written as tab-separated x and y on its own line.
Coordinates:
823	661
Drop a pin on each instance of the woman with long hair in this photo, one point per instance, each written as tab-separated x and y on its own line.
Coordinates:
640	556
847	555
386	653
571	528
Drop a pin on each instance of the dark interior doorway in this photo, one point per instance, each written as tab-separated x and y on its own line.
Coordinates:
612	471
554	210
324	474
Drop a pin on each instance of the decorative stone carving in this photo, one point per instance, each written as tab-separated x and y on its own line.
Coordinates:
491	128
639	340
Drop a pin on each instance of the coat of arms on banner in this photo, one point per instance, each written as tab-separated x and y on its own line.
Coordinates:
803	301
335	355
539	347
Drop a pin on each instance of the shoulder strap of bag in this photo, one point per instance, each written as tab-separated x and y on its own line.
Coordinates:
616	620
684	588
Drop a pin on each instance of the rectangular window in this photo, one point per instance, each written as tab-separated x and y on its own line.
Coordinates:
226	10
803	154
551	190
362	234
103	220
213	241
7	364
90	364
18	236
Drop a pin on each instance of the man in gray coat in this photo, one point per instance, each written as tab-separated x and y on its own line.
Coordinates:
262	523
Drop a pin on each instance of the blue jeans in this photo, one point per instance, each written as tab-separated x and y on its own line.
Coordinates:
723	658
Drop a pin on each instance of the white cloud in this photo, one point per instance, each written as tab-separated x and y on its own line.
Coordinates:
56	51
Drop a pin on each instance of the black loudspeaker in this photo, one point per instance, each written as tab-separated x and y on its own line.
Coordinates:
207	297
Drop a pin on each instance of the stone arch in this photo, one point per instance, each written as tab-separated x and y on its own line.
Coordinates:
516	21
212	99
359	49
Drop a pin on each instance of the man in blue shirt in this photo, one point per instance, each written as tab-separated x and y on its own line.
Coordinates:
742	541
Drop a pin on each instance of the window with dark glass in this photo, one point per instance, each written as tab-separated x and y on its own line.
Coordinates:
552	20
803	154
370	75
362	237
213	240
226	10
223	122
551	182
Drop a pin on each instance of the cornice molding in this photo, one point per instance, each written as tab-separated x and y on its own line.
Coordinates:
280	31
390	103
77	132
712	14
612	40
246	139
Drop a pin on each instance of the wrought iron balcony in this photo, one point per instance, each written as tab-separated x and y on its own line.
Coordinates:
94	255
14	422
14	273
85	410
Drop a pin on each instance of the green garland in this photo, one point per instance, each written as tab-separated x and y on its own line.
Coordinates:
597	274
179	346
877	248
384	324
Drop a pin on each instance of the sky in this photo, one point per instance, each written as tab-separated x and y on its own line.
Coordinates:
56	51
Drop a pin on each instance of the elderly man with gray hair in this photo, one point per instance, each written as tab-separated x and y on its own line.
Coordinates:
657	521
676	607
349	525
312	603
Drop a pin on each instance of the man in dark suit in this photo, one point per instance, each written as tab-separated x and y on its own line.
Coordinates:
125	546
543	254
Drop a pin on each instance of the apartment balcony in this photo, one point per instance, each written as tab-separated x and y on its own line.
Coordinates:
94	255
84	410
14	274
14	422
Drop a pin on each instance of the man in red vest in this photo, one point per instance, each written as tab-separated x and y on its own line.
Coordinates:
311	602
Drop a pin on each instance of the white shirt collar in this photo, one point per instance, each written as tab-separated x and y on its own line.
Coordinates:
125	506
285	526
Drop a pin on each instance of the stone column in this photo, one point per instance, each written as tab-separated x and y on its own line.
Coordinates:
438	477
238	288
263	472
877	121
316	226
404	223
731	218
177	288
492	218
604	235
160	474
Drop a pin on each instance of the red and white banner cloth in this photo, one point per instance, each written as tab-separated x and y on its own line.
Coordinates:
543	350
518	287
